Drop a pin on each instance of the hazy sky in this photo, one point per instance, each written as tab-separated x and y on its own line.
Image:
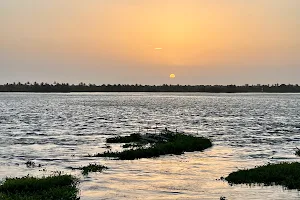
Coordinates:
144	41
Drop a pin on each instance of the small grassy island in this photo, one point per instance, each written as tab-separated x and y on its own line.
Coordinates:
31	188
92	168
285	174
155	145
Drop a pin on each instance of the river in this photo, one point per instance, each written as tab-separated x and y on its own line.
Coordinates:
58	131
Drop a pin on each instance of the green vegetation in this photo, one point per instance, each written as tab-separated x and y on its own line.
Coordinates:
31	164
82	87
92	168
132	145
165	143
59	187
285	174
135	137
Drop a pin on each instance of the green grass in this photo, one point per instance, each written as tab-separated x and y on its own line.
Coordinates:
135	137
92	168
285	174
166	143
132	145
59	187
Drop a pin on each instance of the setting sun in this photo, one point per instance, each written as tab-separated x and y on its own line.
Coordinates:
140	41
170	95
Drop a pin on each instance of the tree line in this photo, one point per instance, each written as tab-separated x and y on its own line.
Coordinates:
82	87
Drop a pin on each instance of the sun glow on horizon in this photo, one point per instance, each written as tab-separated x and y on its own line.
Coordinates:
196	39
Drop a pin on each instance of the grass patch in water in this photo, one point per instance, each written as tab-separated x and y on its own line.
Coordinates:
62	187
132	145
135	137
92	168
165	143
285	174
31	164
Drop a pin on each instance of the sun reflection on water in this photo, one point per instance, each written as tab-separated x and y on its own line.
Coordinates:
246	129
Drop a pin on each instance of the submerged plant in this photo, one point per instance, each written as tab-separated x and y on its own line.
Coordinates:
285	174
63	187
92	168
31	164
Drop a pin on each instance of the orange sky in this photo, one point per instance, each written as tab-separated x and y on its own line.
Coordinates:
139	41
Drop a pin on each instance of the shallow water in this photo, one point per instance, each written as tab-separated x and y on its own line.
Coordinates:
59	130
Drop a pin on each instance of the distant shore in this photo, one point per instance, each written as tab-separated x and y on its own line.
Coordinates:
82	87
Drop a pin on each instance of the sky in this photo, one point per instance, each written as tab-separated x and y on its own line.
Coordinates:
142	41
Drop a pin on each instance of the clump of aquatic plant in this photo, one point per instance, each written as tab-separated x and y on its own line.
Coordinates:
92	168
63	187
297	153
135	137
165	143
132	145
31	164
285	174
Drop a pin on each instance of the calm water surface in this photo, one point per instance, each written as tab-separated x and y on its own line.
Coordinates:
59	130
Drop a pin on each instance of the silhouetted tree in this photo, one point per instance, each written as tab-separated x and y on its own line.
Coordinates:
82	87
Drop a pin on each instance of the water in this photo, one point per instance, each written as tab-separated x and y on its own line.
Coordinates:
59	130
